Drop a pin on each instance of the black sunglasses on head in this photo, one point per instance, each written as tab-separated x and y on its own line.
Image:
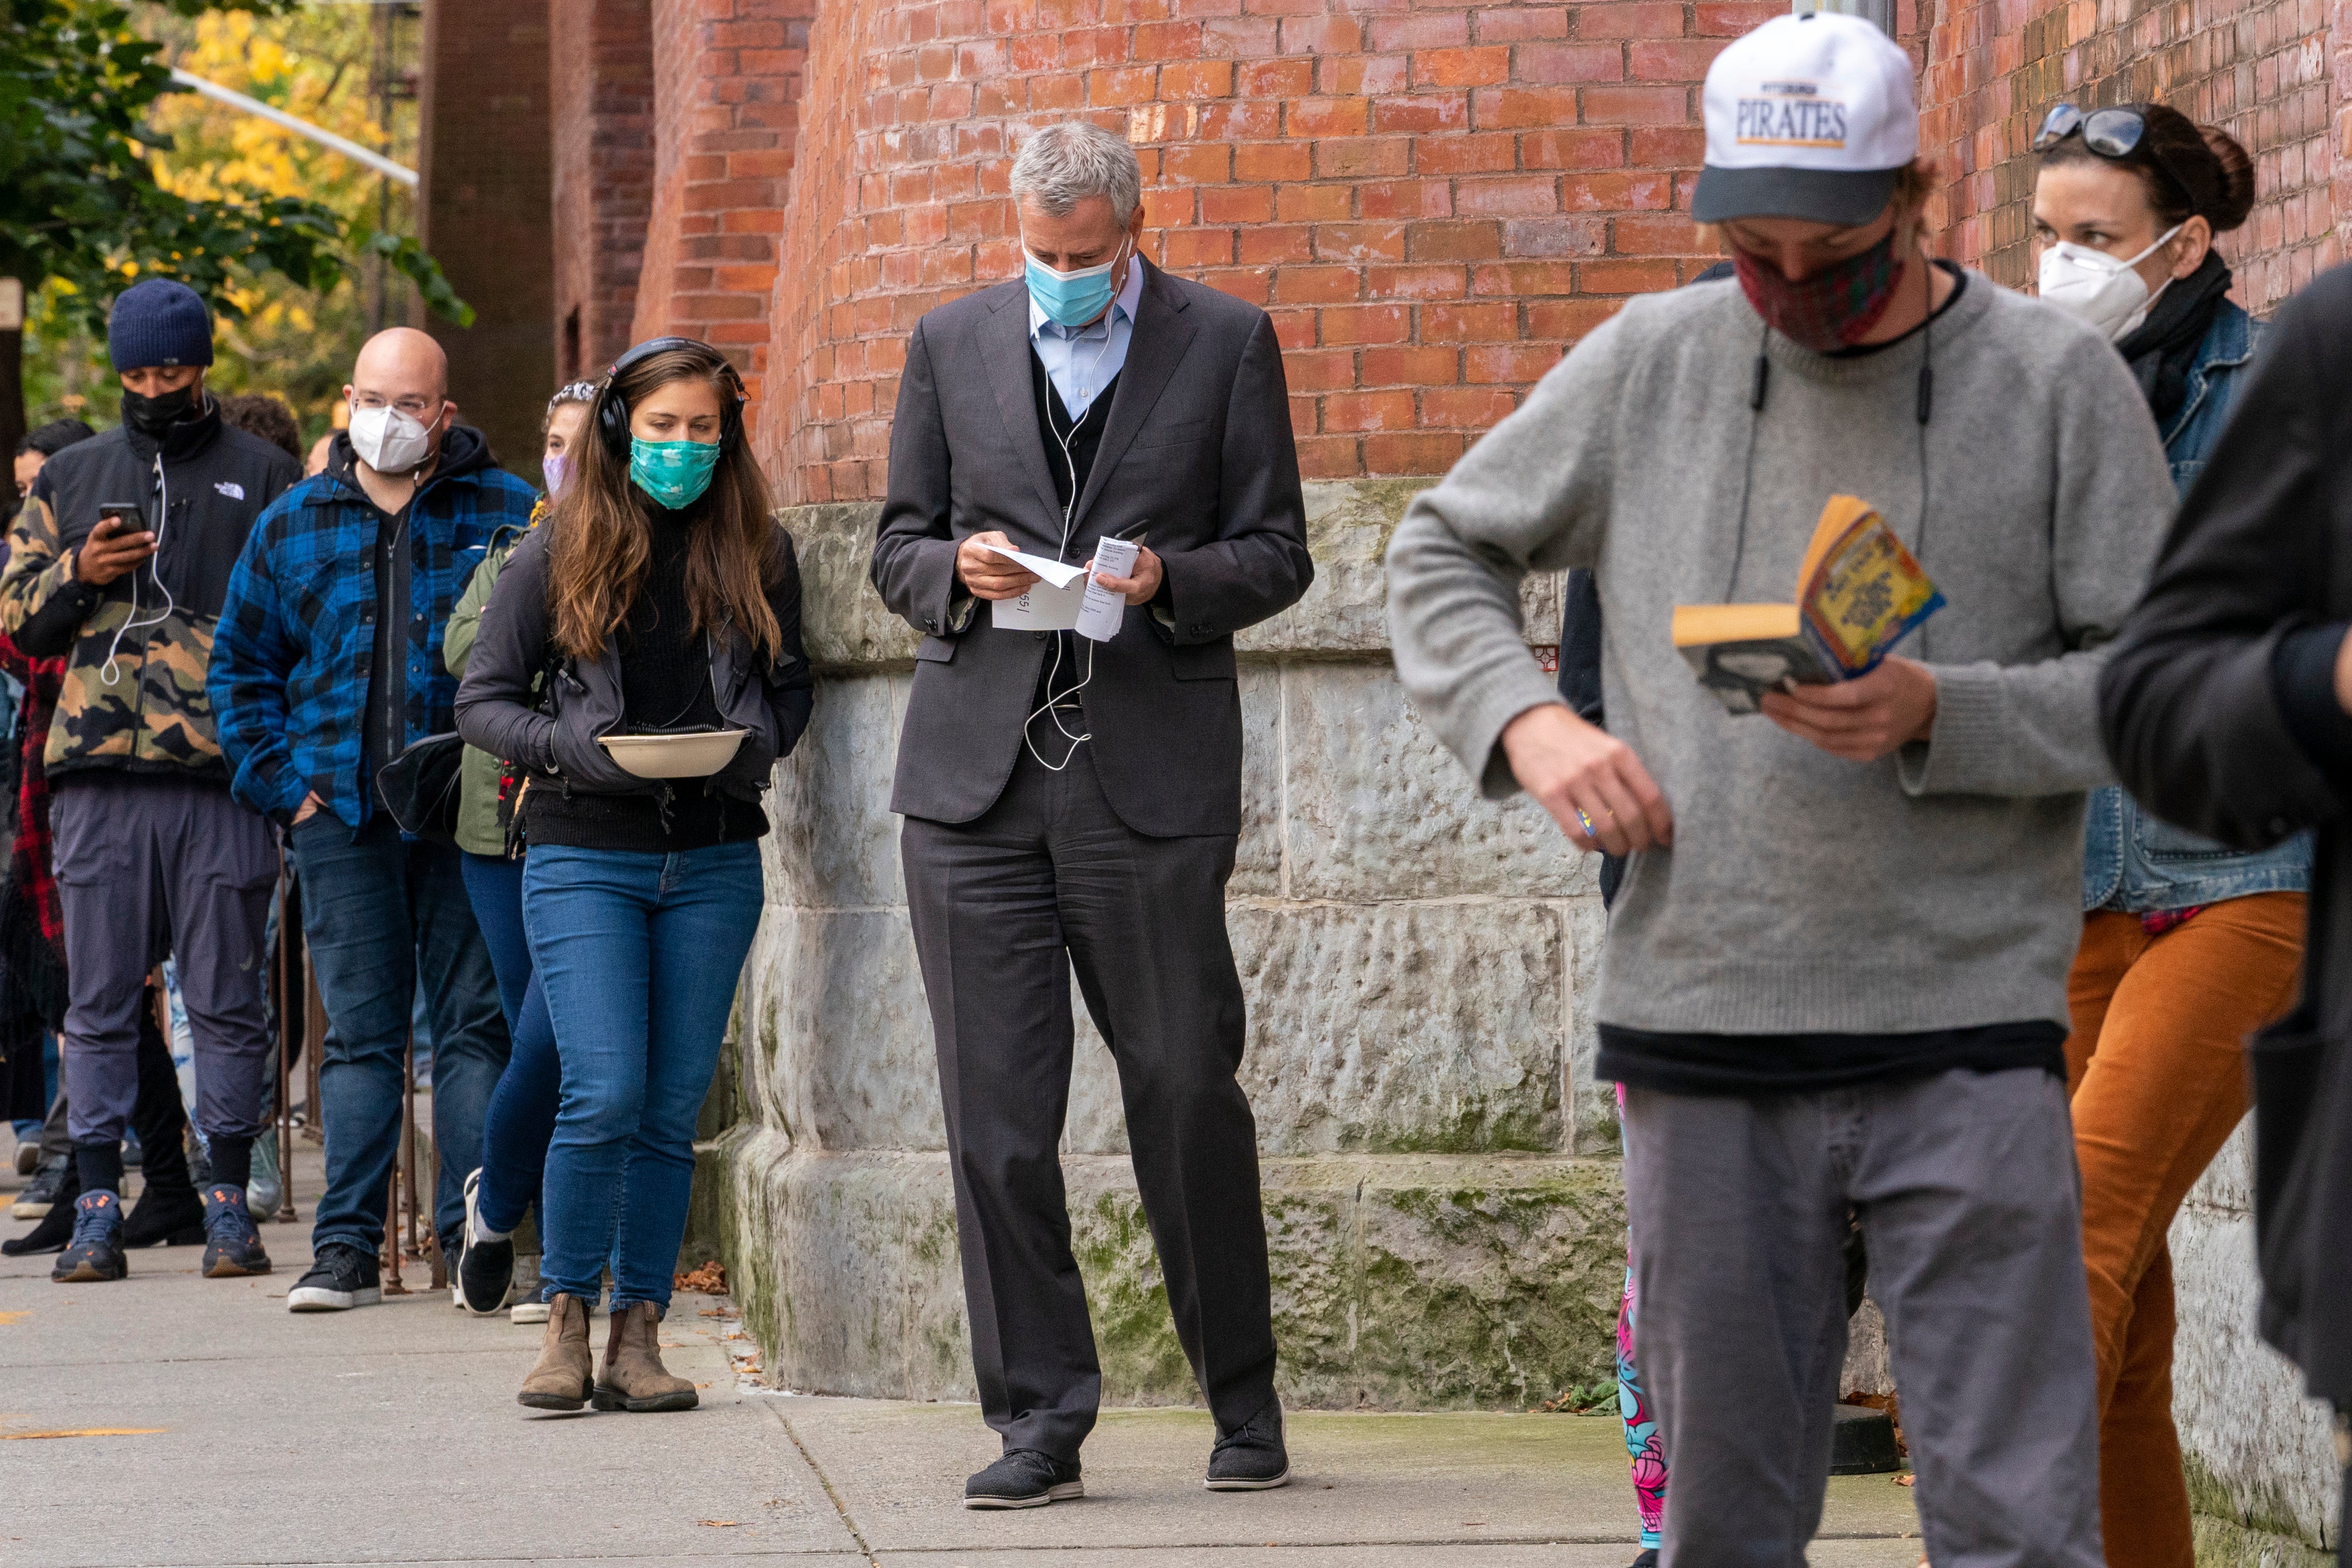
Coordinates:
2113	133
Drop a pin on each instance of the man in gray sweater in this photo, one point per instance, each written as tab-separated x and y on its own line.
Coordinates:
1835	973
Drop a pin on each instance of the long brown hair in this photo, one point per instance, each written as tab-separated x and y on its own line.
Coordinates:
604	527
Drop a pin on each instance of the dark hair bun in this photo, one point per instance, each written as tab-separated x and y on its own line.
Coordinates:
2235	180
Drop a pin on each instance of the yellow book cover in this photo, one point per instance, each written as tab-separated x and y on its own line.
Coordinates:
1859	592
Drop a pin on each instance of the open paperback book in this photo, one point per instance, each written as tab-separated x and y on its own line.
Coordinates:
1859	592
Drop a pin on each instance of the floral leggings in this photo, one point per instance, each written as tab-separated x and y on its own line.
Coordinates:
1634	1407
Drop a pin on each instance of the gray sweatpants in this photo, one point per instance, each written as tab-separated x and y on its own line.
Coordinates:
150	867
1970	1201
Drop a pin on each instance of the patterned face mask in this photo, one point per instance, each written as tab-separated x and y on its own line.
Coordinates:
1833	307
674	472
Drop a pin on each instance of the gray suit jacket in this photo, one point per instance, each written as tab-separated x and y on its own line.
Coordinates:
1197	447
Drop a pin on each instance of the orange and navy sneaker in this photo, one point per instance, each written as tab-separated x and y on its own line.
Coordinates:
232	1246
95	1252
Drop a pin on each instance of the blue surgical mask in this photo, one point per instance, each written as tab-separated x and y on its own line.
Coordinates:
674	472
1072	299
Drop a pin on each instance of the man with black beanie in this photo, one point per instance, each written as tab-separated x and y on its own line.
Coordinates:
119	562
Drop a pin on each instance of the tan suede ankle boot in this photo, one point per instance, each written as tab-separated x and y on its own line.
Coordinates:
561	1380
633	1377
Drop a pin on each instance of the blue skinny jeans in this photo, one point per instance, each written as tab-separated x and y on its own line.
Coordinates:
381	912
639	954
521	1116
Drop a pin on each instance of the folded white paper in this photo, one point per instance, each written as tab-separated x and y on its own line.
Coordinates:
1104	612
1055	572
1051	604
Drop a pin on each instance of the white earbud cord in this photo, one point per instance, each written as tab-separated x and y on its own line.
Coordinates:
1061	552
112	674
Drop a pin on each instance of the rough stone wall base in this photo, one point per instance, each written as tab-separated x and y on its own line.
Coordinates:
2225	1543
1436	1283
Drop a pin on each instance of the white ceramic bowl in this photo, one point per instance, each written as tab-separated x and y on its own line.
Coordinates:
674	756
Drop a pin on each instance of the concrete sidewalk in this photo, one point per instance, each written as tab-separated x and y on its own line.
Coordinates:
171	1420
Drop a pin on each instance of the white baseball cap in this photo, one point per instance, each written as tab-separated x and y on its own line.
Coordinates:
1807	117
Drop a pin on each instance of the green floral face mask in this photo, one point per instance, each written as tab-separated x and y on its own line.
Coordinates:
674	472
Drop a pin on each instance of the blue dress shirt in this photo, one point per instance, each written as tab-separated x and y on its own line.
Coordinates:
1081	361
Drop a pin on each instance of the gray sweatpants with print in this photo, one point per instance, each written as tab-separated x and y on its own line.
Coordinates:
1970	1203
149	867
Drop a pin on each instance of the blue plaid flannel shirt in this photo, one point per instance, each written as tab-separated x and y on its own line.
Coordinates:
289	662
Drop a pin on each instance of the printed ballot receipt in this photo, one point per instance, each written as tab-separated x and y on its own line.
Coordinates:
1065	599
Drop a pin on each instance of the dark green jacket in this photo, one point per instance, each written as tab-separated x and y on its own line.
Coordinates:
478	833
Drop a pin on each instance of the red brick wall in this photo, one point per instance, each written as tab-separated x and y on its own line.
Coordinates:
1432	199
483	209
2259	69
603	90
727	84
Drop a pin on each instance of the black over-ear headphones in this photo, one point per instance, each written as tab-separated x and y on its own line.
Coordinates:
611	414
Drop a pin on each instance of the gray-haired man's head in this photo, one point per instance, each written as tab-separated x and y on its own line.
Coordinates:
1078	192
1062	165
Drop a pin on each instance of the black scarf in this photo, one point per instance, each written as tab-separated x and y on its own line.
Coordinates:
2161	349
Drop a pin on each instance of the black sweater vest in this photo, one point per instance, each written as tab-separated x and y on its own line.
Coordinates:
1070	445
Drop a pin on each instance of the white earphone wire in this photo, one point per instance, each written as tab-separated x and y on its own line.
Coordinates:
112	674
1054	699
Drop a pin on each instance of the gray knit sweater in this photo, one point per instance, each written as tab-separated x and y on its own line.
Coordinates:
1936	889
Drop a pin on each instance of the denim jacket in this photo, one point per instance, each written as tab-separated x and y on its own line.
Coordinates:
2131	861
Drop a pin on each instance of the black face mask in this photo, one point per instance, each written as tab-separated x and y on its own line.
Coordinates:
151	416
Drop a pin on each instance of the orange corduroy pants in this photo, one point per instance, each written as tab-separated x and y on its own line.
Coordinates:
2155	1067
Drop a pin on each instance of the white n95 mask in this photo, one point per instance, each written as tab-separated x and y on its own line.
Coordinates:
388	440
2101	289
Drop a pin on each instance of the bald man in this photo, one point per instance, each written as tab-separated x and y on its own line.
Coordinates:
326	667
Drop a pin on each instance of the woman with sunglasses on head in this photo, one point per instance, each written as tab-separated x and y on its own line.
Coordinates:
640	661
2187	947
522	1107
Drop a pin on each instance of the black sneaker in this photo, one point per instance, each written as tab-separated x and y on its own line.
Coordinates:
232	1246
165	1217
1251	1458
34	1202
342	1277
485	1266
1648	1558
1024	1479
95	1252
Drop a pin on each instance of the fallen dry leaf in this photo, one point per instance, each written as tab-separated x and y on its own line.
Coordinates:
710	1279
1906	1479
720	1523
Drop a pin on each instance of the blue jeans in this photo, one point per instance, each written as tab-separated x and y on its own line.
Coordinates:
381	913
639	955
522	1108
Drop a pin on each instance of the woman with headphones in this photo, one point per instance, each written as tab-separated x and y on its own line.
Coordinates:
661	614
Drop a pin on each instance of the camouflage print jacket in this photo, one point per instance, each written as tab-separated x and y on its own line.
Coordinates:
138	649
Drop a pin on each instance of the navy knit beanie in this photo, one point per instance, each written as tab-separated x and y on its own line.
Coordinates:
159	322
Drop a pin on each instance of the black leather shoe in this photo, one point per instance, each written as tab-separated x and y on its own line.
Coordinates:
57	1218
1252	1457
164	1217
1024	1479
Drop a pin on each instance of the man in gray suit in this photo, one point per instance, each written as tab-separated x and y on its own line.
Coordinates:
1075	803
